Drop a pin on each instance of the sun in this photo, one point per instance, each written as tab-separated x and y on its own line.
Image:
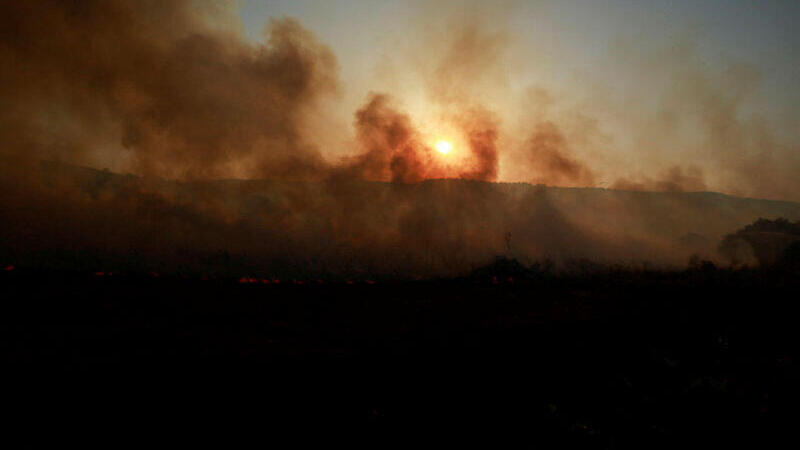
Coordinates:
444	147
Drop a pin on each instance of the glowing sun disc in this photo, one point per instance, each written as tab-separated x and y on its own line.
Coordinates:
444	147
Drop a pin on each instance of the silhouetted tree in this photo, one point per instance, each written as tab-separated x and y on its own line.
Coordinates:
765	240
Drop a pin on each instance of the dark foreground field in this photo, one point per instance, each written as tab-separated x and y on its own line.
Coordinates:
620	359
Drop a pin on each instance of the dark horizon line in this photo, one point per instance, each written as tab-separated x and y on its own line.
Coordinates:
412	183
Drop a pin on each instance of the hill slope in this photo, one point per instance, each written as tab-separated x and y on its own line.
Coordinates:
69	217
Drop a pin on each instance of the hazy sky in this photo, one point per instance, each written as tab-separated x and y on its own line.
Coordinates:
608	72
568	37
580	33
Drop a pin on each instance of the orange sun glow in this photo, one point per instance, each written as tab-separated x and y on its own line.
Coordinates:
444	147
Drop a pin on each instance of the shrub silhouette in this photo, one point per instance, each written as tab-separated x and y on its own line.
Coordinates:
765	240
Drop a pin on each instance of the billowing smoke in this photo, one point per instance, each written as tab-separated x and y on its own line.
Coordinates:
676	179
480	128
171	90
392	150
550	159
168	87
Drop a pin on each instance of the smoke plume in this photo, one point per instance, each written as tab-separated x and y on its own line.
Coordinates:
173	93
166	85
550	159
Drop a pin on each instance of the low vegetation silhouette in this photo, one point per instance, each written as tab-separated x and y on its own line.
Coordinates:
770	243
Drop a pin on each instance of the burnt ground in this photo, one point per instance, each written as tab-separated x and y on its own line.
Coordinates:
607	360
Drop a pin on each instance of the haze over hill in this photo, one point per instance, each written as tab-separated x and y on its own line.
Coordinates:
70	217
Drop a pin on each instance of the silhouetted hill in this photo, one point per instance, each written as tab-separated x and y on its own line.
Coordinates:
64	216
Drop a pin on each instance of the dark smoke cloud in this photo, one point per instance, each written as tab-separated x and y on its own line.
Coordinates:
184	98
550	160
481	130
167	90
676	179
391	147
